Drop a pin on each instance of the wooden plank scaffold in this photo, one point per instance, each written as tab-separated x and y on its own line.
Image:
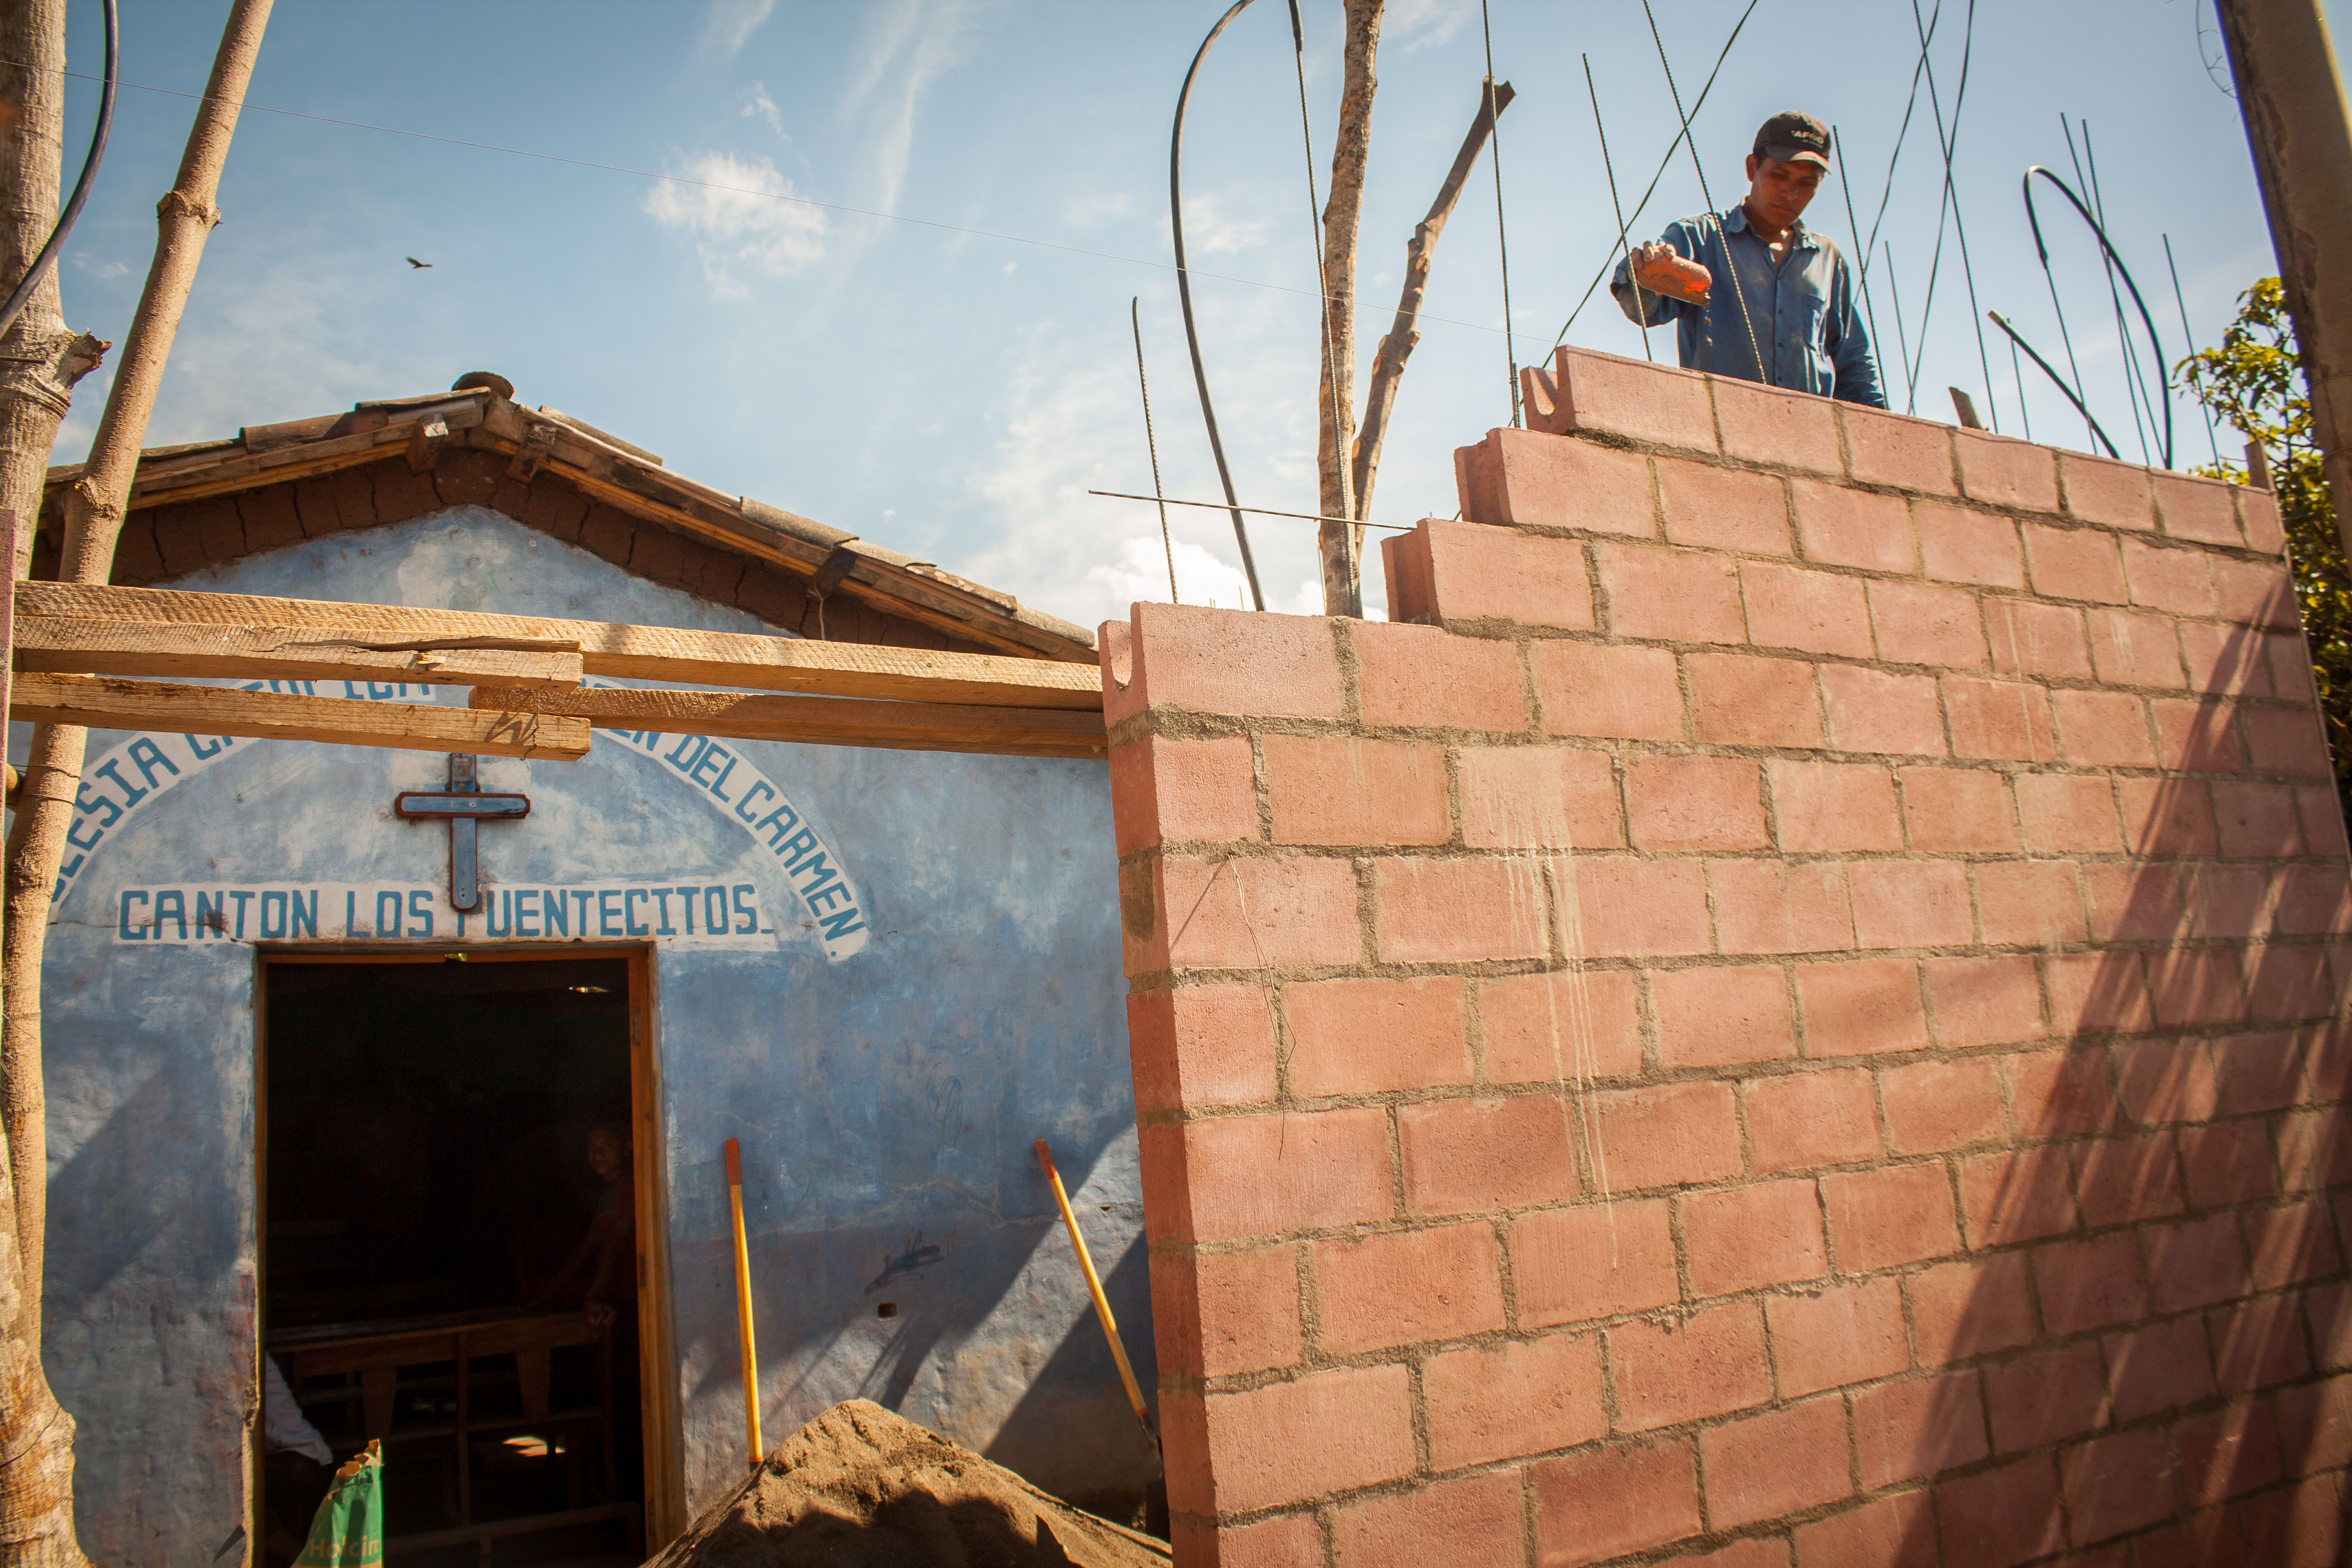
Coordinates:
85	655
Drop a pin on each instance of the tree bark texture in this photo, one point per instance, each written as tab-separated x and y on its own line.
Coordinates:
40	360
40	356
1341	545
94	513
2301	135
1388	365
36	1526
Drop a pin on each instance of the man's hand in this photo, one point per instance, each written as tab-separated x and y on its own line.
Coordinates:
601	1314
1662	270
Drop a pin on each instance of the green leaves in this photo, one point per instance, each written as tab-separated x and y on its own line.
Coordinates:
2255	383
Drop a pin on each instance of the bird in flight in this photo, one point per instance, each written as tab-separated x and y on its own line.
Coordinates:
420	266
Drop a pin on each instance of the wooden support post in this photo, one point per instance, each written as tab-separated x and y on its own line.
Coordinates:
2300	131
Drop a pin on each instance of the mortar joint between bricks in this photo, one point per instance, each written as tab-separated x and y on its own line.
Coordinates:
1130	730
1261	788
1417	1414
1500	1221
1352	670
1178	725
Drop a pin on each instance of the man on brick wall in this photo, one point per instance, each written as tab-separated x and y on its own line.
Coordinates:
1791	320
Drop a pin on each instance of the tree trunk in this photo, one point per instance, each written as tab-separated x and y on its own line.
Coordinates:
37	1527
1342	544
40	356
94	512
40	360
2291	96
1388	365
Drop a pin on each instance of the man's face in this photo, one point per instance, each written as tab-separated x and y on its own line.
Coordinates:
605	1156
1780	191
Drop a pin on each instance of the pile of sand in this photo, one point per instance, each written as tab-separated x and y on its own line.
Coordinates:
862	1487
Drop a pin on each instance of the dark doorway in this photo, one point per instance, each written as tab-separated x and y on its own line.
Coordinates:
449	1249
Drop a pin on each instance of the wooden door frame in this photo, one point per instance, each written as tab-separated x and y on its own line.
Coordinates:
659	1413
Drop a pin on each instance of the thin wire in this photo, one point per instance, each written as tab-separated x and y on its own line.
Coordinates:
2188	342
1738	286
748	191
1901	341
1184	297
2115	257
1135	320
2136	382
47	257
2066	336
1256	511
2131	381
1502	241
1641	307
2017	375
2220	57
1910	106
1949	146
1671	147
1861	269
1322	275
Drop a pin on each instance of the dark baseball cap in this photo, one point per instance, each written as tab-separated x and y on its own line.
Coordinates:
1794	138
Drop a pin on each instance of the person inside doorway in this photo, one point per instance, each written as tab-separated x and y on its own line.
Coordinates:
297	1467
608	1255
1788	316
609	1249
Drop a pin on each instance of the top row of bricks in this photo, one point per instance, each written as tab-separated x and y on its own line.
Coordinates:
1590	393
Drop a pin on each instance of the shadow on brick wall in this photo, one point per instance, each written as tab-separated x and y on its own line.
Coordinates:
2142	1339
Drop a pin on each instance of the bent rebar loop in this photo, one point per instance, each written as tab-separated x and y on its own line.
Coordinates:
2042	250
1184	297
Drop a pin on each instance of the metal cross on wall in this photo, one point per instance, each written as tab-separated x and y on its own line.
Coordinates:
464	808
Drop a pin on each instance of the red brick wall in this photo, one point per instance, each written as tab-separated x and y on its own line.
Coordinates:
1792	1023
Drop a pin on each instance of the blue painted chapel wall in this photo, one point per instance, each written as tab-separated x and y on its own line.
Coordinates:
886	1098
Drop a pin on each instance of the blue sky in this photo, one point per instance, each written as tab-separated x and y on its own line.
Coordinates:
954	394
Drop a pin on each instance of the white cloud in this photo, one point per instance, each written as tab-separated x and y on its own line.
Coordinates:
730	23
1423	23
280	328
1307	599
1094	209
733	214
1140	573
908	47
1210	230
757	104
1067	421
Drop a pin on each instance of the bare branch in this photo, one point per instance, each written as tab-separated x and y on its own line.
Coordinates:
1388	366
1341	546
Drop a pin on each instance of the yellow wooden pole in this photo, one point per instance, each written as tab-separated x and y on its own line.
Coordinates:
1094	1287
743	1298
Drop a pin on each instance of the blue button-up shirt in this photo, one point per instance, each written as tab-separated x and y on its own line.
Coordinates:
1806	329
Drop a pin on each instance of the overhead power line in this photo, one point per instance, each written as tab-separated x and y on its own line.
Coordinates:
748	191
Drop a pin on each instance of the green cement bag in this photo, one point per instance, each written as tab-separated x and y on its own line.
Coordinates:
349	1531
